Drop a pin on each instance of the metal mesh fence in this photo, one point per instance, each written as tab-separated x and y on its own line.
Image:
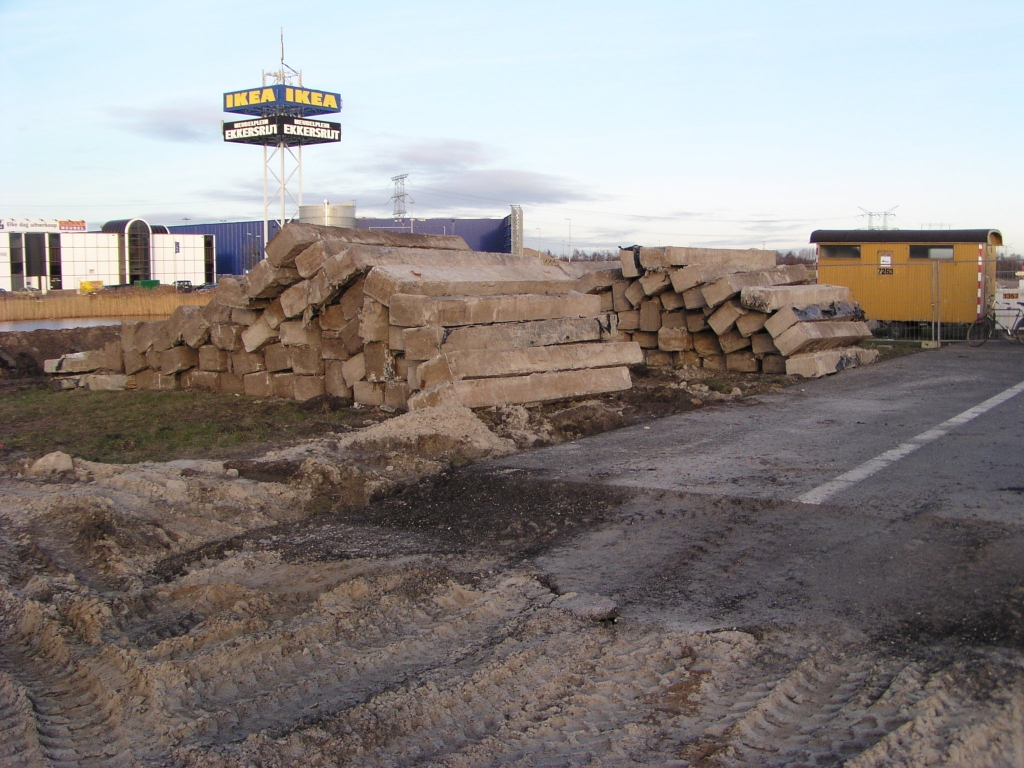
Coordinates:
921	300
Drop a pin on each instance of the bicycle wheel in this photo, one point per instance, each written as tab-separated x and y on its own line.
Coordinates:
1018	331
979	331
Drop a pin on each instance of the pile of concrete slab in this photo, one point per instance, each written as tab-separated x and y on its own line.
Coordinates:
392	319
736	310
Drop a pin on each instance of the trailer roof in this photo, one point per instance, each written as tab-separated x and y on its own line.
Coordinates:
989	236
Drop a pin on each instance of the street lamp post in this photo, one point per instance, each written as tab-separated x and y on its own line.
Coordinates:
570	238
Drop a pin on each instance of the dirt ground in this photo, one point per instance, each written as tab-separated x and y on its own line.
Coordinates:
377	596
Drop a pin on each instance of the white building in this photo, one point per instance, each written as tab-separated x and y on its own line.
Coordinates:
58	254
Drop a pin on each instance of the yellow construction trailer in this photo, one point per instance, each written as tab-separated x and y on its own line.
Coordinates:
903	277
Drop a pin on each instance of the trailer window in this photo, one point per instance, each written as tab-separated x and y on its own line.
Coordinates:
931	251
839	251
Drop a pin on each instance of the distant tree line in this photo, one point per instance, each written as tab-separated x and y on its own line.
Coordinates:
799	256
578	255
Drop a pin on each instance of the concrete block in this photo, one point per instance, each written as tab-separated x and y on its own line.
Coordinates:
789	316
178	359
671	300
244	363
727	286
696	321
277	357
629	320
673	320
401	368
472	364
733	341
646	339
747	260
293	333
231	292
309	262
206	381
751	322
687	358
265	281
531	276
762	344
694	298
351	301
379	362
295	299
396	395
650	314
674	340
292	239
227	337
349	335
215	312
773	364
373	322
196	330
354	369
104	382
657	358
151	379
143	339
307	361
334	380
822	363
414	311
334	349
369	393
259	335
231	384
723	319
629	259
65	383
537	387
308	387
245	316
257	384
742	362
396	338
282	384
619	301
607	301
153	359
273	314
713	362
772	298
128	329
133	362
655	283
812	337
706	344
635	293
213	359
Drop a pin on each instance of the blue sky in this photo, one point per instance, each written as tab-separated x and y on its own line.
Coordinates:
660	123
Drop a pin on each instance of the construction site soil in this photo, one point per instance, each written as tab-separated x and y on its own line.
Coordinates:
385	596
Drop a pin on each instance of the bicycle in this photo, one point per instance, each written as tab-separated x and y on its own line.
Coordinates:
981	330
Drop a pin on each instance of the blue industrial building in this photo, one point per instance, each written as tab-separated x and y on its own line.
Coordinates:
240	243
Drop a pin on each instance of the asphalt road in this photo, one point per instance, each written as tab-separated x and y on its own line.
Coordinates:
714	532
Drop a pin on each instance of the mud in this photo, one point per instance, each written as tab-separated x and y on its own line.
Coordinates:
387	598
22	352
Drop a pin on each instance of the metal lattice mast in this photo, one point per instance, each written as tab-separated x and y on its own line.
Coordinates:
285	75
400	197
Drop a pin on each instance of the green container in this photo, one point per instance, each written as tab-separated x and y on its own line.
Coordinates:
147	283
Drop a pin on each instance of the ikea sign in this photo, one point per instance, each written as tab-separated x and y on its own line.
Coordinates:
282	100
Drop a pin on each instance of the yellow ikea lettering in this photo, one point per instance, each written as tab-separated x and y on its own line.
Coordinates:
318	99
330	101
254	97
241	100
229	100
302	97
289	94
268	95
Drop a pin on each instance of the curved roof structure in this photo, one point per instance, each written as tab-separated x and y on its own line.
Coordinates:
988	236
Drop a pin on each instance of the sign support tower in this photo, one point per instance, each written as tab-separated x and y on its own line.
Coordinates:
282	106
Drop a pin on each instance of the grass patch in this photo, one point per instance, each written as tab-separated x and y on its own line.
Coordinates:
132	426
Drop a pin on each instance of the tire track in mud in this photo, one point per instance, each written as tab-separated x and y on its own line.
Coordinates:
76	716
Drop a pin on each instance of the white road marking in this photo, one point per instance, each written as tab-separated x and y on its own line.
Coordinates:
868	468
